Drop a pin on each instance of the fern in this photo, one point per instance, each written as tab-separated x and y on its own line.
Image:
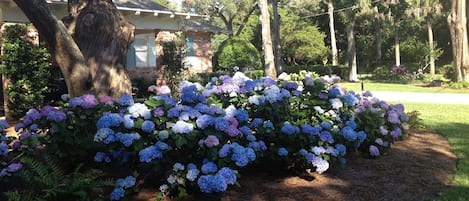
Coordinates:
45	180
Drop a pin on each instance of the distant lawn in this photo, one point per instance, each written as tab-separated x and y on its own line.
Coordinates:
373	86
452	121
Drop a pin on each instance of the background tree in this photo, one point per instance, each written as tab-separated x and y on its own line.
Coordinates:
91	51
426	10
458	28
269	63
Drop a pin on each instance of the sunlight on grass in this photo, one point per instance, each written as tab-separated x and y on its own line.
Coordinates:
452	121
372	86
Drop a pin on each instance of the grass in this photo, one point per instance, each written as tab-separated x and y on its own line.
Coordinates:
374	86
451	121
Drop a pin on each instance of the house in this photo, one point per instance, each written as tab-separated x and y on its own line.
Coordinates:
153	25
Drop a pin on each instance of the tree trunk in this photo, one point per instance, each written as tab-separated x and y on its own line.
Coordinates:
430	44
104	36
63	49
276	39
458	31
396	44
93	60
351	52
267	40
378	36
335	54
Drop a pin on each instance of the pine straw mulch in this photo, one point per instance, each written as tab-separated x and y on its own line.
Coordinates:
417	168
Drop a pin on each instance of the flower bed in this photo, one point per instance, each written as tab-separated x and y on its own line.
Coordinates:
201	141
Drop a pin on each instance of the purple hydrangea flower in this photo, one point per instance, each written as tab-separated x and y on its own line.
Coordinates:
211	141
158	112
374	151
56	116
393	117
89	101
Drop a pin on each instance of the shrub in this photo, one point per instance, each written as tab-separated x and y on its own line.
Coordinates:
237	52
27	67
202	142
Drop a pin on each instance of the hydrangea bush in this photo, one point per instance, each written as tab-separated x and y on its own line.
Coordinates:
201	140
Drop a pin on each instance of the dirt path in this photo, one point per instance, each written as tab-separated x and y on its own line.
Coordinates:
415	169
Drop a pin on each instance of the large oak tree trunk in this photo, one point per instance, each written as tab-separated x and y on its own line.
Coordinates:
267	40
91	52
64	50
103	35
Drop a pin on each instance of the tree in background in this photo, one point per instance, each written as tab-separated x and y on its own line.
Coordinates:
457	20
269	62
427	10
90	45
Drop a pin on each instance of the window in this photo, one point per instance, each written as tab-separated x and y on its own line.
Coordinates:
190	46
142	51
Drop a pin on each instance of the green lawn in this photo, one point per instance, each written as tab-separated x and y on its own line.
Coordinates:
452	121
373	86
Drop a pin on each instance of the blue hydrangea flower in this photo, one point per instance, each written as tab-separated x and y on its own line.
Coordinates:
56	116
272	94
209	167
178	166
303	152
149	153
341	148
282	151
212	184
326	125
109	120
204	121
102	134
242	115
361	135
189	94
148	126
245	130
173	112
393	117
3	149
326	136
256	100
100	157
334	92
127	138
310	130
162	146
192	174
228	175
318	150
126	100
117	194
182	127
224	151
349	134
350	99
290	85
290	129
396	132
221	123
256	122
126	182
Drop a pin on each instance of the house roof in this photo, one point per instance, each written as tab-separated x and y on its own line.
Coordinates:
197	26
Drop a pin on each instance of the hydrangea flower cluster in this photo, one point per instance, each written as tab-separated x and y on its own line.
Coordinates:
212	131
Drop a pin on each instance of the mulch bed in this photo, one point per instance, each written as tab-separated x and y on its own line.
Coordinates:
417	168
